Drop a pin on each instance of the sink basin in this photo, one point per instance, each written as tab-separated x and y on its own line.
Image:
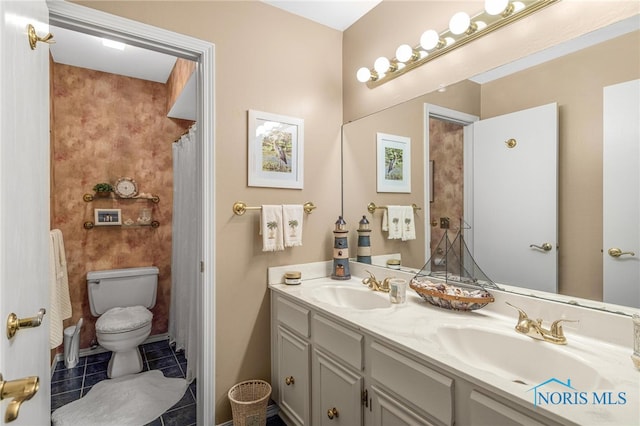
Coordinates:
518	358
351	297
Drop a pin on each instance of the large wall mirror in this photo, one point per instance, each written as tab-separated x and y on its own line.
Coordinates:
575	82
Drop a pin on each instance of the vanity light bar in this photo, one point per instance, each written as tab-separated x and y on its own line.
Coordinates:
462	30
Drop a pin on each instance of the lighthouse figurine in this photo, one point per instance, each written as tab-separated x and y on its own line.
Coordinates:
340	251
364	241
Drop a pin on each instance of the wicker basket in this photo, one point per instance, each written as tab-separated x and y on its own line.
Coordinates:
456	302
249	402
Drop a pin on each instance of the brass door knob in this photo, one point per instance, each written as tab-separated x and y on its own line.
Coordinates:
616	252
544	246
290	380
332	412
14	323
20	390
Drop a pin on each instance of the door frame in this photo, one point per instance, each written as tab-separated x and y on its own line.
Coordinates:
90	21
465	120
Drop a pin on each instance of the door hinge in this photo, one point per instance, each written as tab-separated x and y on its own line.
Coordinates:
201	266
365	398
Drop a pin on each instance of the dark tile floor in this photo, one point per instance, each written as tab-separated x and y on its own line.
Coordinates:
67	385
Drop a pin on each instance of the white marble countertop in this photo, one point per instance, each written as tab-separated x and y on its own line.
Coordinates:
414	327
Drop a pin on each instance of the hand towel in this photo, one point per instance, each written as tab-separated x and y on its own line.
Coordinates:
408	224
59	299
292	216
393	221
271	228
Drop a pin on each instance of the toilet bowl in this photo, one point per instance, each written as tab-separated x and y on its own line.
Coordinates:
121	331
120	298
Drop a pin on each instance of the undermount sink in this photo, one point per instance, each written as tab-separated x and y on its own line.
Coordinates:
518	358
351	297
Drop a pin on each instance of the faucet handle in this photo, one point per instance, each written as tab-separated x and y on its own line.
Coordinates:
556	327
522	314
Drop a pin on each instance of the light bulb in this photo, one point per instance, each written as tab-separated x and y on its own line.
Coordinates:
459	23
381	65
429	39
404	53
495	7
363	75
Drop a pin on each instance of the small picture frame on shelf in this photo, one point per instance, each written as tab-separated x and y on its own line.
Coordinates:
107	217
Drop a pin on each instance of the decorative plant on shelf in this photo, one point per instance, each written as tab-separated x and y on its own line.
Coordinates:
103	189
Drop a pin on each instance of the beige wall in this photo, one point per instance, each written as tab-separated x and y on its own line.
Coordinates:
272	61
394	22
359	152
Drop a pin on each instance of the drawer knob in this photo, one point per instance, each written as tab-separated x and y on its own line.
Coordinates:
289	380
332	412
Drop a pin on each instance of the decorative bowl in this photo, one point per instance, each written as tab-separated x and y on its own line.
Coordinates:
451	297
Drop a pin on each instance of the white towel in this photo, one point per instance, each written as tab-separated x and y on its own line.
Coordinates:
408	224
271	228
392	222
292	216
59	299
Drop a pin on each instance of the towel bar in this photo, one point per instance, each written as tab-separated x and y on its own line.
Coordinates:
372	207
239	207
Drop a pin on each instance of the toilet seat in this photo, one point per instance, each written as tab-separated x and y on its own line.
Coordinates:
121	320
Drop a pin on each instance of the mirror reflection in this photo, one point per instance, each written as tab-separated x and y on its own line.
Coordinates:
576	83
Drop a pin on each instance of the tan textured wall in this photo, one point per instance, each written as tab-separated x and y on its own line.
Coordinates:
576	83
105	126
377	34
446	141
178	78
273	61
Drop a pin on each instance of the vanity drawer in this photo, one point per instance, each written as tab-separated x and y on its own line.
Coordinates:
338	340
414	382
294	316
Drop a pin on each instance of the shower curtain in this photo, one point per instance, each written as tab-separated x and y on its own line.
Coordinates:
185	267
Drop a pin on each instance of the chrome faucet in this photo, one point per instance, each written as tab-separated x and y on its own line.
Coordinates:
535	330
375	285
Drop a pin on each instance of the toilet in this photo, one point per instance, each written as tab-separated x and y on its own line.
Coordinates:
121	299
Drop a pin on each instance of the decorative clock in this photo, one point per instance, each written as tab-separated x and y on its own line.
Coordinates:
125	187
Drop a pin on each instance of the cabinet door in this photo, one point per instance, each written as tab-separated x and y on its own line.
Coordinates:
387	410
485	411
293	380
337	393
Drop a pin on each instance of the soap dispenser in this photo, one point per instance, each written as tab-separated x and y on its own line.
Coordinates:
340	251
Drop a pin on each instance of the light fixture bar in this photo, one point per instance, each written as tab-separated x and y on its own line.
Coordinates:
481	24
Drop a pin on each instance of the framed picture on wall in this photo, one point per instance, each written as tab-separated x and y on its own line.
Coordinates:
276	150
107	217
393	163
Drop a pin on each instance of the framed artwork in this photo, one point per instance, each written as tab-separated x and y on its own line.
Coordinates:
276	150
393	163
106	217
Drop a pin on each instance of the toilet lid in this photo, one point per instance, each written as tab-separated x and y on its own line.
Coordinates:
117	320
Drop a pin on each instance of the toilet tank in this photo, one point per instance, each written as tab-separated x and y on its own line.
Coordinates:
113	288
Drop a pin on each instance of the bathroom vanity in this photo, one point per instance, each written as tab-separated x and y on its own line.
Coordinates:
343	354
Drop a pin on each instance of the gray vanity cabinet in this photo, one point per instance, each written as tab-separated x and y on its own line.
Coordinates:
326	372
291	360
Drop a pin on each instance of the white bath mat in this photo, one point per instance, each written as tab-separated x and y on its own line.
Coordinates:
132	400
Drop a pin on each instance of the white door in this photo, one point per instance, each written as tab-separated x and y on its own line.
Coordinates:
514	225
621	194
24	202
